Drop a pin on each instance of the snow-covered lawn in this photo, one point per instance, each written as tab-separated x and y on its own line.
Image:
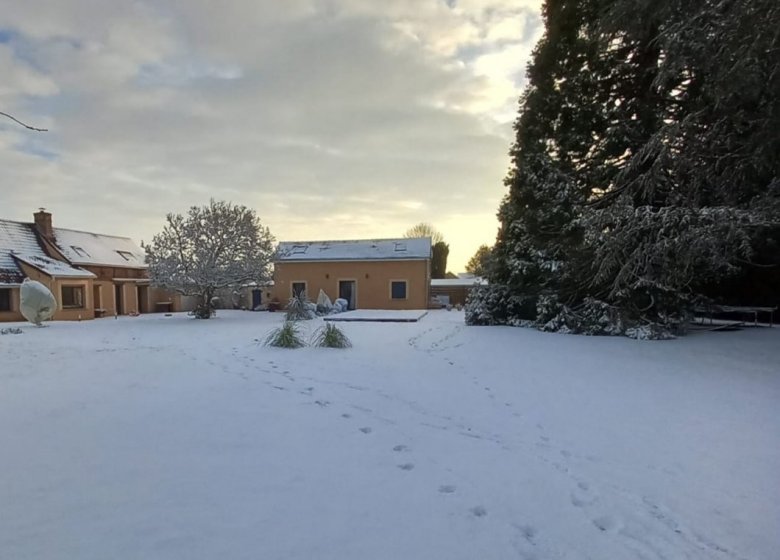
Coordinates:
171	438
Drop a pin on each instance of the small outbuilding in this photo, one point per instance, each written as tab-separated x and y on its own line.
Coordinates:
367	273
454	291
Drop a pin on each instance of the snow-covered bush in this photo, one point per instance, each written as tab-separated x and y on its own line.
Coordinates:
495	304
300	309
330	336
286	336
37	303
324	305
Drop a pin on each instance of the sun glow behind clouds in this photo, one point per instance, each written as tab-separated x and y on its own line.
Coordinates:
333	118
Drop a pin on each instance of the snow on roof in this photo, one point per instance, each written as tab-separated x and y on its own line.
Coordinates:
457	282
355	250
53	267
20	237
85	248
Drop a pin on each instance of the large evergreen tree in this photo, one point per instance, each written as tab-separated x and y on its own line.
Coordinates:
645	167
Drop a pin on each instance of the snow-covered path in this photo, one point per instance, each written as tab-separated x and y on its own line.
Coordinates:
159	437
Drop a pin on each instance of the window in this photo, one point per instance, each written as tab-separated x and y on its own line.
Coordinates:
72	297
398	289
299	249
80	252
5	300
400	246
298	289
126	255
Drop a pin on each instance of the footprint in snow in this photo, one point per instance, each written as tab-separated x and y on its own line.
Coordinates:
366	430
478	511
528	532
606	523
345	415
579	499
406	466
323	404
400	448
447	489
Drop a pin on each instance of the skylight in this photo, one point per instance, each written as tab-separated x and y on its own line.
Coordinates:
299	249
400	246
128	256
80	252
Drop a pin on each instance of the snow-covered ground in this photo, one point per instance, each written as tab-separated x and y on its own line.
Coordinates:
171	438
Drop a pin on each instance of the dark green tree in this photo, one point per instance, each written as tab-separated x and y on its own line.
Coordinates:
558	154
645	167
439	260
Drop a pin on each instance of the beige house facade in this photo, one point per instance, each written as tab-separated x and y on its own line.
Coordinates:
90	275
368	274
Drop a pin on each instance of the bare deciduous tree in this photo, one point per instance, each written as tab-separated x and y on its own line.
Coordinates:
424	229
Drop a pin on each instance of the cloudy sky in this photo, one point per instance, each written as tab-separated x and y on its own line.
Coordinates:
334	119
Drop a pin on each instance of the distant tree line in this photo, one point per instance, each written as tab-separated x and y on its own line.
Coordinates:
644	172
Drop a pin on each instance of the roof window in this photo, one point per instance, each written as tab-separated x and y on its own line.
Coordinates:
80	252
128	256
299	249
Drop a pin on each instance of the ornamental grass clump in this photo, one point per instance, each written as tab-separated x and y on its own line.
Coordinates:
286	336
330	336
300	309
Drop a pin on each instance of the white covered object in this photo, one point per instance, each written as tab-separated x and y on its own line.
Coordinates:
37	302
323	302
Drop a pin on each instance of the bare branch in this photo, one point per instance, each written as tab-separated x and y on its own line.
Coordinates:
27	126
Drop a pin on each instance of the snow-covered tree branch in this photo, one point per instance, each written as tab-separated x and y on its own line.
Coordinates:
213	247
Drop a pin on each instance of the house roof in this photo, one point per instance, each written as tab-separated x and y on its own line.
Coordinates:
53	267
418	248
15	236
18	242
94	249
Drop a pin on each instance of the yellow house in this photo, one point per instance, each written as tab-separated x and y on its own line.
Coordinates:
91	275
368	274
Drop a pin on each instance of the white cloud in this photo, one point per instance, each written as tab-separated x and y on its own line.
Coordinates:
373	116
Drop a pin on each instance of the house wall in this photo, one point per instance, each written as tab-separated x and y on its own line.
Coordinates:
136	298
100	295
55	285
161	300
14	314
107	301
371	277
247	296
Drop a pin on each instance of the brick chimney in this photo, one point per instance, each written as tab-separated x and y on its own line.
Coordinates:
43	223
